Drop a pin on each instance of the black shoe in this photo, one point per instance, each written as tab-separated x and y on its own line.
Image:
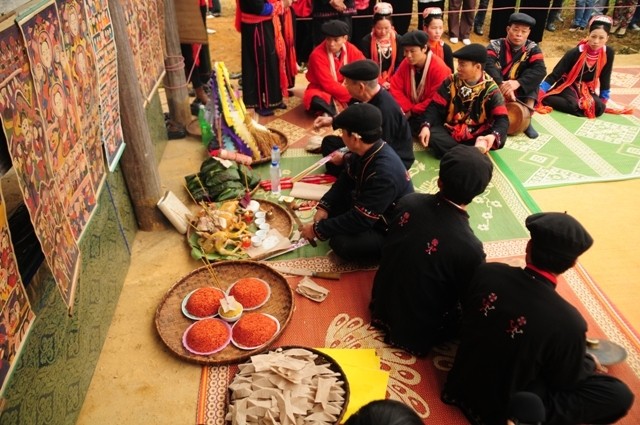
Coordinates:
175	130
551	27
478	30
266	112
531	132
282	105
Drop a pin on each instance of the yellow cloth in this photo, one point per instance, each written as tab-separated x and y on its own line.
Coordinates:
366	381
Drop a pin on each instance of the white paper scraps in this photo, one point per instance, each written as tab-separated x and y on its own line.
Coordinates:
285	387
310	289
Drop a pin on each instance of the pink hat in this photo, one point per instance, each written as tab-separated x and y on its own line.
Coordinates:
431	11
382	8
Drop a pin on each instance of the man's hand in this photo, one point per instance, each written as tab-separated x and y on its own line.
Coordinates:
508	89
307	232
424	135
320	215
322	121
338	5
286	3
337	158
484	143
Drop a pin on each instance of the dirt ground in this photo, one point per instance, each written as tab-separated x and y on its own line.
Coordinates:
225	43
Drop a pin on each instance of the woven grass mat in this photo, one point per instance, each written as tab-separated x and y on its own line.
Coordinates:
342	321
573	150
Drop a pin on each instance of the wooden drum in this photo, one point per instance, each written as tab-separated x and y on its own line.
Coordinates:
519	117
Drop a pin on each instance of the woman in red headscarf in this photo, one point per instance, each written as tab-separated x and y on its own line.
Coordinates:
573	85
433	25
381	44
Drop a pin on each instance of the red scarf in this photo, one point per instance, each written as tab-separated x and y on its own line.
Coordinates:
375	55
585	89
437	49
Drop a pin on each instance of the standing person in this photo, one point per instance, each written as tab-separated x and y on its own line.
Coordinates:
500	13
622	15
403	10
461	13
381	44
352	214
481	14
417	78
361	80
555	15
429	257
583	11
516	64
539	11
519	334
468	108
197	63
434	27
427	4
331	10
325	88
571	86
264	74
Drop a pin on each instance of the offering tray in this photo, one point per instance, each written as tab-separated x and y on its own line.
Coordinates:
171	323
281	221
321	359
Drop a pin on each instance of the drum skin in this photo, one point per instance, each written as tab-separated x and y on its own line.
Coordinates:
519	117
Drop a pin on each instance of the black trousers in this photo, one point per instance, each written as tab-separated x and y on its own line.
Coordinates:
441	141
567	102
599	399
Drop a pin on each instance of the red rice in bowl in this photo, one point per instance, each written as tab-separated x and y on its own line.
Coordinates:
254	330
251	292
207	336
204	302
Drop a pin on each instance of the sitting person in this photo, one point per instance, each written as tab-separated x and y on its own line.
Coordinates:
516	64
468	108
361	80
384	412
434	27
519	334
571	87
418	77
429	256
381	44
325	82
351	215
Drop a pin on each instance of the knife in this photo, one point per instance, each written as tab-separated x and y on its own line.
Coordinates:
305	272
312	242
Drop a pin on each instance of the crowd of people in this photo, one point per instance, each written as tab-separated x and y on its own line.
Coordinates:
522	349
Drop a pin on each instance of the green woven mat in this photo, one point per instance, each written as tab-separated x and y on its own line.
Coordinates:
497	214
573	150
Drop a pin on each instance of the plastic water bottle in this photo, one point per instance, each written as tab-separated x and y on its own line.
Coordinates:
205	126
275	170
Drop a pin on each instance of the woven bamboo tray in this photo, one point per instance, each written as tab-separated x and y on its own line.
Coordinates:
333	365
171	323
281	221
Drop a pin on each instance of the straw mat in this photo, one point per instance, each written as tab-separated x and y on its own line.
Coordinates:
342	321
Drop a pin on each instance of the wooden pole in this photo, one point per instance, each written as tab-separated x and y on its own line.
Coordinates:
175	81
138	160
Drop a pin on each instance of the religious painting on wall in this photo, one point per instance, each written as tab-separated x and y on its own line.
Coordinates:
104	45
25	131
82	63
41	30
146	45
16	315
